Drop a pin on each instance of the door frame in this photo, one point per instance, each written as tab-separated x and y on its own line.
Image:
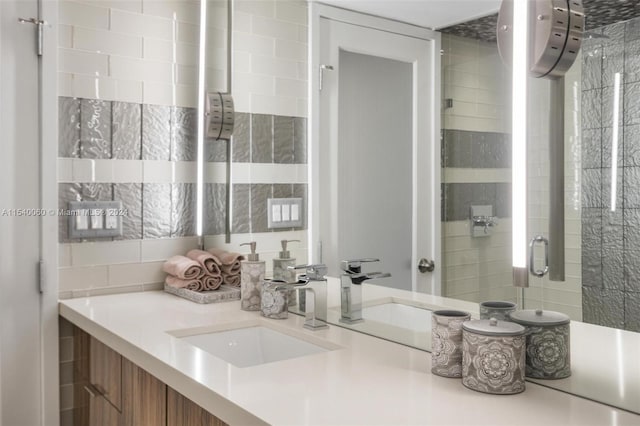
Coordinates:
318	11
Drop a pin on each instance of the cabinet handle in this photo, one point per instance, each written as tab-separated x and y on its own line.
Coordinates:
92	391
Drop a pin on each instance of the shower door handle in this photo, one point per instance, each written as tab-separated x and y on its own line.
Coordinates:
425	265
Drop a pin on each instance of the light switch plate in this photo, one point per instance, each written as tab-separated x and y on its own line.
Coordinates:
95	219
284	213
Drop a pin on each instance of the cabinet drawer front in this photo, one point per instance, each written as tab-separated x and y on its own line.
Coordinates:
106	372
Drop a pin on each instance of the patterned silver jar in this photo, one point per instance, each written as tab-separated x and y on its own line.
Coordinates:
499	310
493	356
548	343
274	299
446	342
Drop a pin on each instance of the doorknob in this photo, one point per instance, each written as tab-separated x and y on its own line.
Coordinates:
425	265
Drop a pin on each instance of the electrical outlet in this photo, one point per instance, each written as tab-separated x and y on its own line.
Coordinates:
95	219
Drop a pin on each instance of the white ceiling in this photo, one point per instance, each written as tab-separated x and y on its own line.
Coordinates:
433	14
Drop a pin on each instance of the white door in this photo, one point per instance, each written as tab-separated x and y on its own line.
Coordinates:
379	152
20	232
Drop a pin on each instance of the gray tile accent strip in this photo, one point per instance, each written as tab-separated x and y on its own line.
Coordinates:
468	149
68	127
458	198
156	132
95	129
156	210
126	130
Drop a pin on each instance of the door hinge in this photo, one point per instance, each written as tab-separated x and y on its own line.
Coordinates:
42	278
322	68
39	28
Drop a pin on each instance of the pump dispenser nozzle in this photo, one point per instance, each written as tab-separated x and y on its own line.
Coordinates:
284	254
253	256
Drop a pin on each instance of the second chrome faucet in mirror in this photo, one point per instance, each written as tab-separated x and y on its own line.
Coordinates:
351	289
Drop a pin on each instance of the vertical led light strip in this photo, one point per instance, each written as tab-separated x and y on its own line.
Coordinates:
201	96
614	140
519	137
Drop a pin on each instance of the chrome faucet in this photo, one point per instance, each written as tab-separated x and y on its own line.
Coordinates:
351	289
315	285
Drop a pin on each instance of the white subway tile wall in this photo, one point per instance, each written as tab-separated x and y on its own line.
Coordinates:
146	51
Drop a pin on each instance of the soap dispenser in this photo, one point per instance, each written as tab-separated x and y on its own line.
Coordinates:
281	264
251	277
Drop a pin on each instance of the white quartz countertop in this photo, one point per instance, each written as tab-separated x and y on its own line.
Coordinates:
368	381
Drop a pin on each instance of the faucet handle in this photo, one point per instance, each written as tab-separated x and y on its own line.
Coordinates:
314	272
355	265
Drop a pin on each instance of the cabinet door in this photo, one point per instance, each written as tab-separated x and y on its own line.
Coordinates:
102	413
144	398
181	411
106	372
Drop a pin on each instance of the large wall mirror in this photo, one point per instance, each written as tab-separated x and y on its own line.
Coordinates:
409	159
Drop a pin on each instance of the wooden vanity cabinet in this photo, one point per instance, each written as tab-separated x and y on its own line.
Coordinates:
110	390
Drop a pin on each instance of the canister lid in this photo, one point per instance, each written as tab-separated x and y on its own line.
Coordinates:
493	327
539	317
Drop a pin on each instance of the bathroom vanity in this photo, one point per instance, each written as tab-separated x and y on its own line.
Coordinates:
349	378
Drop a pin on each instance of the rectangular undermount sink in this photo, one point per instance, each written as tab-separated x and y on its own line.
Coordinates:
254	345
399	315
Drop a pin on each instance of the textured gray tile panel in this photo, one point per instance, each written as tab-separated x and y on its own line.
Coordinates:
66	192
300	190
183	209
502	207
632	61
282	190
97	191
457	148
631	104
614	32
592	109
632	229
300	140
592	247
68	127
606	188
216	150
632	270
241	223
184	134
261	138
631	146
242	138
156	132
127	130
283	139
631	187
259	195
498	150
95	129
607	147
607	107
591	188
591	66
603	307
632	32
591	148
612	250
460	196
215	198
156	210
632	311
131	196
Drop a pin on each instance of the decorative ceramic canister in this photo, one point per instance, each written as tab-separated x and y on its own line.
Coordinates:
493	356
274	299
446	342
496	309
548	343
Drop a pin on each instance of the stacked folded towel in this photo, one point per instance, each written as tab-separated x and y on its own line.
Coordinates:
212	278
229	264
184	273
